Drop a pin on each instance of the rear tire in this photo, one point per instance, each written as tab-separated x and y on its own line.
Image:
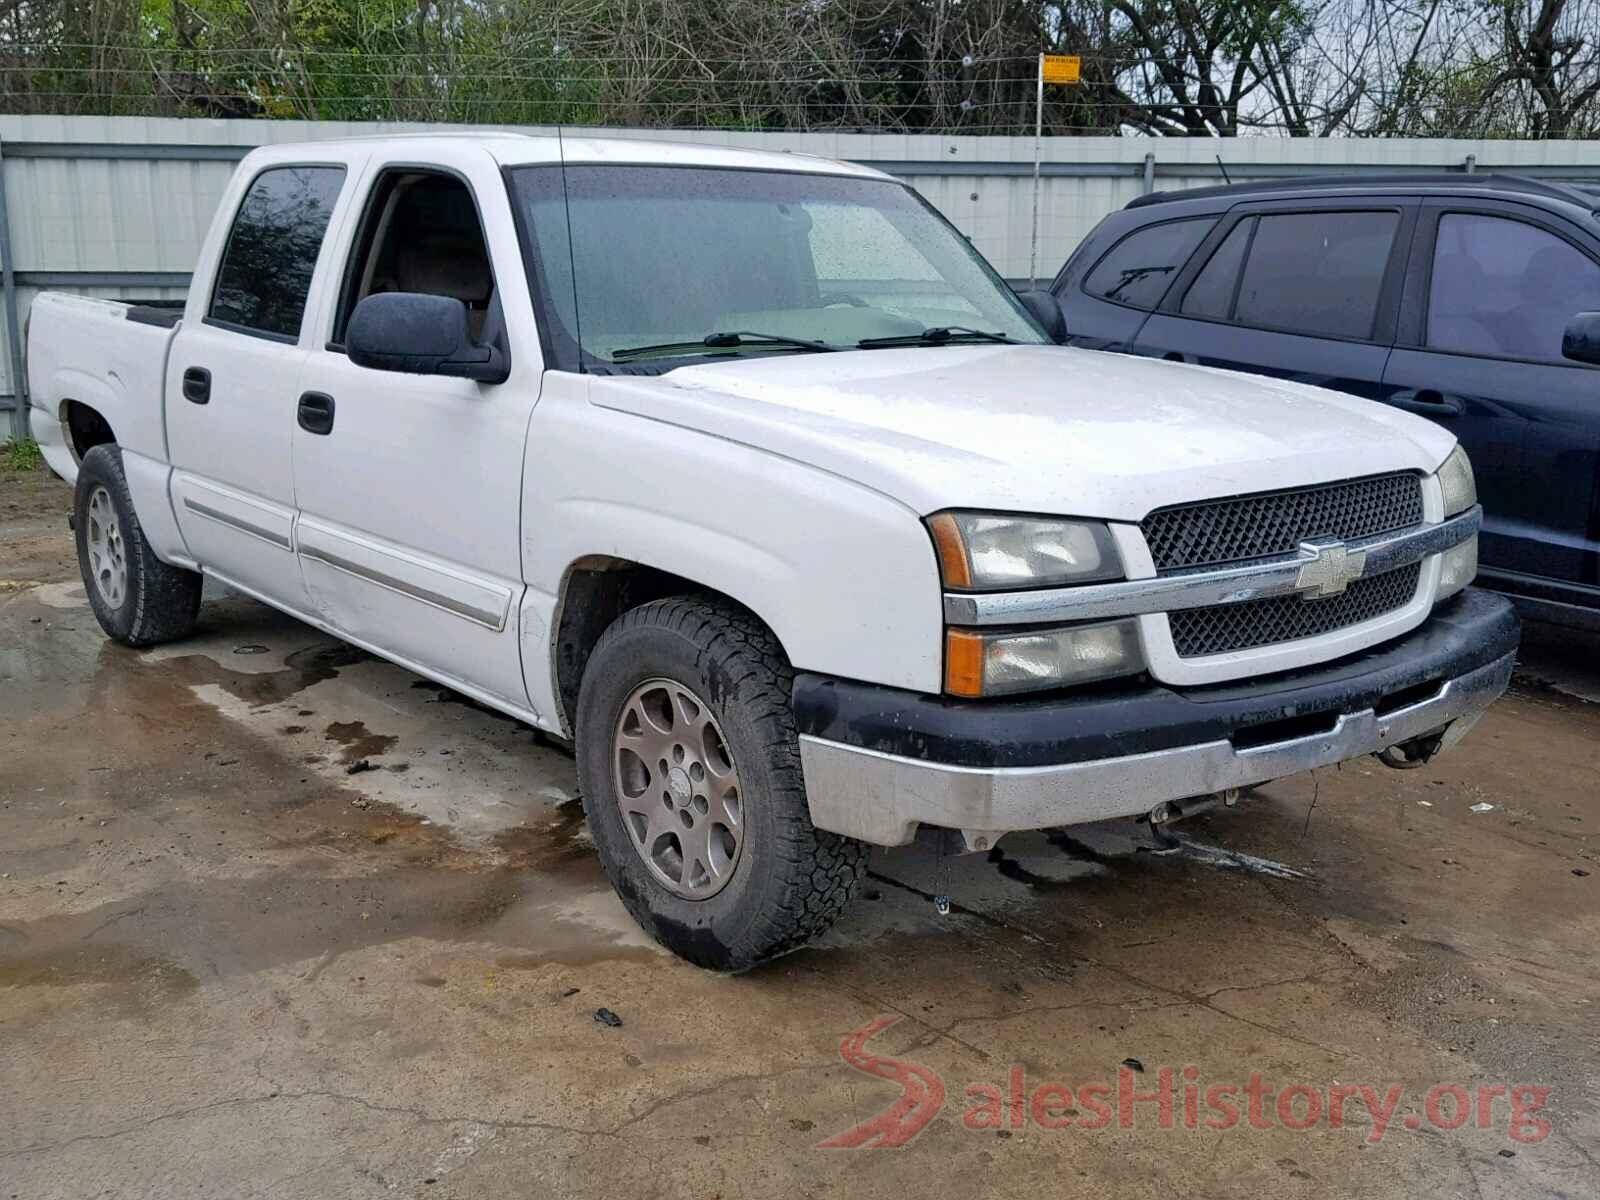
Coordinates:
138	599
703	687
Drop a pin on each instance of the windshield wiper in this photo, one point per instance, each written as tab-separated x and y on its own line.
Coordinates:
1133	275
939	335
732	339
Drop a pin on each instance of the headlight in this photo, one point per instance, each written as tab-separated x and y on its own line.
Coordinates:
1458	566
997	664
989	552
1455	480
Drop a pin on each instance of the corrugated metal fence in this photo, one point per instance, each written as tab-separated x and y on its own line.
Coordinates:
117	206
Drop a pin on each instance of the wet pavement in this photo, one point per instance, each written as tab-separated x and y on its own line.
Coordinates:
280	919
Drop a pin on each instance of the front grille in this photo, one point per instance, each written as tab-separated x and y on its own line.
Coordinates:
1224	627
1269	524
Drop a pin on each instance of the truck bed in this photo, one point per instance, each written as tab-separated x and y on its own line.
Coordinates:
165	314
106	354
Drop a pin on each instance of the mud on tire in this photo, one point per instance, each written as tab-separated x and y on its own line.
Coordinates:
790	880
155	602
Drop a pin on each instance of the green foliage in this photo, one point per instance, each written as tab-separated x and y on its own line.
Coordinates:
1170	67
22	456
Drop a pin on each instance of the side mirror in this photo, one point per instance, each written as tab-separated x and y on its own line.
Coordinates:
1047	311
420	335
1581	340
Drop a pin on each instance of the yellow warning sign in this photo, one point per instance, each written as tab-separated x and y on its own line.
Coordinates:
1061	68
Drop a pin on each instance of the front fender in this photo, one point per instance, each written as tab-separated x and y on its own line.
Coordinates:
843	575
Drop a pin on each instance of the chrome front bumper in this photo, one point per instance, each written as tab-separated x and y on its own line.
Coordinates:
882	798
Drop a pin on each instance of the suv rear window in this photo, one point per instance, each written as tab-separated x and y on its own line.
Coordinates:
1317	273
1137	270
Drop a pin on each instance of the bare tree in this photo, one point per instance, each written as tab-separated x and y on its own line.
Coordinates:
1203	68
1552	56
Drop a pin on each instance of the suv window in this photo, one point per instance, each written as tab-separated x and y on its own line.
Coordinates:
1317	273
1137	269
272	248
1211	294
1505	287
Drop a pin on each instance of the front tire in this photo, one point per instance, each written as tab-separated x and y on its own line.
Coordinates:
690	770
138	599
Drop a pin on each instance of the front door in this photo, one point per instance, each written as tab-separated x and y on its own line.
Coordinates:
410	486
1491	288
231	379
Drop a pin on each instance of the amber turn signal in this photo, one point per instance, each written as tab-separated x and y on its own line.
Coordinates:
963	663
951	550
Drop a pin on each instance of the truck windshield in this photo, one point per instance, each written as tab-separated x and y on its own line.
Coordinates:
663	263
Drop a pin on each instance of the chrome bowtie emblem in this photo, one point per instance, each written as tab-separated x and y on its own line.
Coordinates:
1327	568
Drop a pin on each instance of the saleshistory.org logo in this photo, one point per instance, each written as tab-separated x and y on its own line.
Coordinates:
1173	1097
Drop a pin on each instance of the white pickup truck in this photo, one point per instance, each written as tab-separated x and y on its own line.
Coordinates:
748	475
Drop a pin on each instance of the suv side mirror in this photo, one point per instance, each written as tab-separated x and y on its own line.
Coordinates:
420	335
1047	311
1581	340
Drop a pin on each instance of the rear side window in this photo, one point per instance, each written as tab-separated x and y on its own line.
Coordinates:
1317	273
1137	269
272	248
1505	287
1211	293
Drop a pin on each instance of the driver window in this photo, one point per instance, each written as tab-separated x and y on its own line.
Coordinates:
421	233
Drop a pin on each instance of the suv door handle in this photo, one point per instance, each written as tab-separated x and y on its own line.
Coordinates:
1426	402
315	412
197	385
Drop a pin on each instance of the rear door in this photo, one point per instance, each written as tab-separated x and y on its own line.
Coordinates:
1491	286
1305	291
231	376
410	486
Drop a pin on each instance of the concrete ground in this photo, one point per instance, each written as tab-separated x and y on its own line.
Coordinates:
233	964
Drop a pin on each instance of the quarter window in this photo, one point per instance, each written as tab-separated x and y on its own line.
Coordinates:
1139	267
1211	293
1504	287
266	267
1317	273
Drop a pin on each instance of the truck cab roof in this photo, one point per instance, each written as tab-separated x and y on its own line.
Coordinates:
513	148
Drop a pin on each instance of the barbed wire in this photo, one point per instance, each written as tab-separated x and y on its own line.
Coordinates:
970	94
521	77
1120	60
317	52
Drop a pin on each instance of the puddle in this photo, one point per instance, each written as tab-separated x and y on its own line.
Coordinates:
128	981
559	845
353	736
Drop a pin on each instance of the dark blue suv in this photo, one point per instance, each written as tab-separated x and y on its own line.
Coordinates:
1473	300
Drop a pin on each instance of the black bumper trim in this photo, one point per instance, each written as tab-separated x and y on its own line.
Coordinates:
1111	720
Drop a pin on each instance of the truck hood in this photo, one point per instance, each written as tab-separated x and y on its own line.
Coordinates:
1033	428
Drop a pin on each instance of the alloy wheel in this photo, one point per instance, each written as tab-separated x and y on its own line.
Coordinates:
678	788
